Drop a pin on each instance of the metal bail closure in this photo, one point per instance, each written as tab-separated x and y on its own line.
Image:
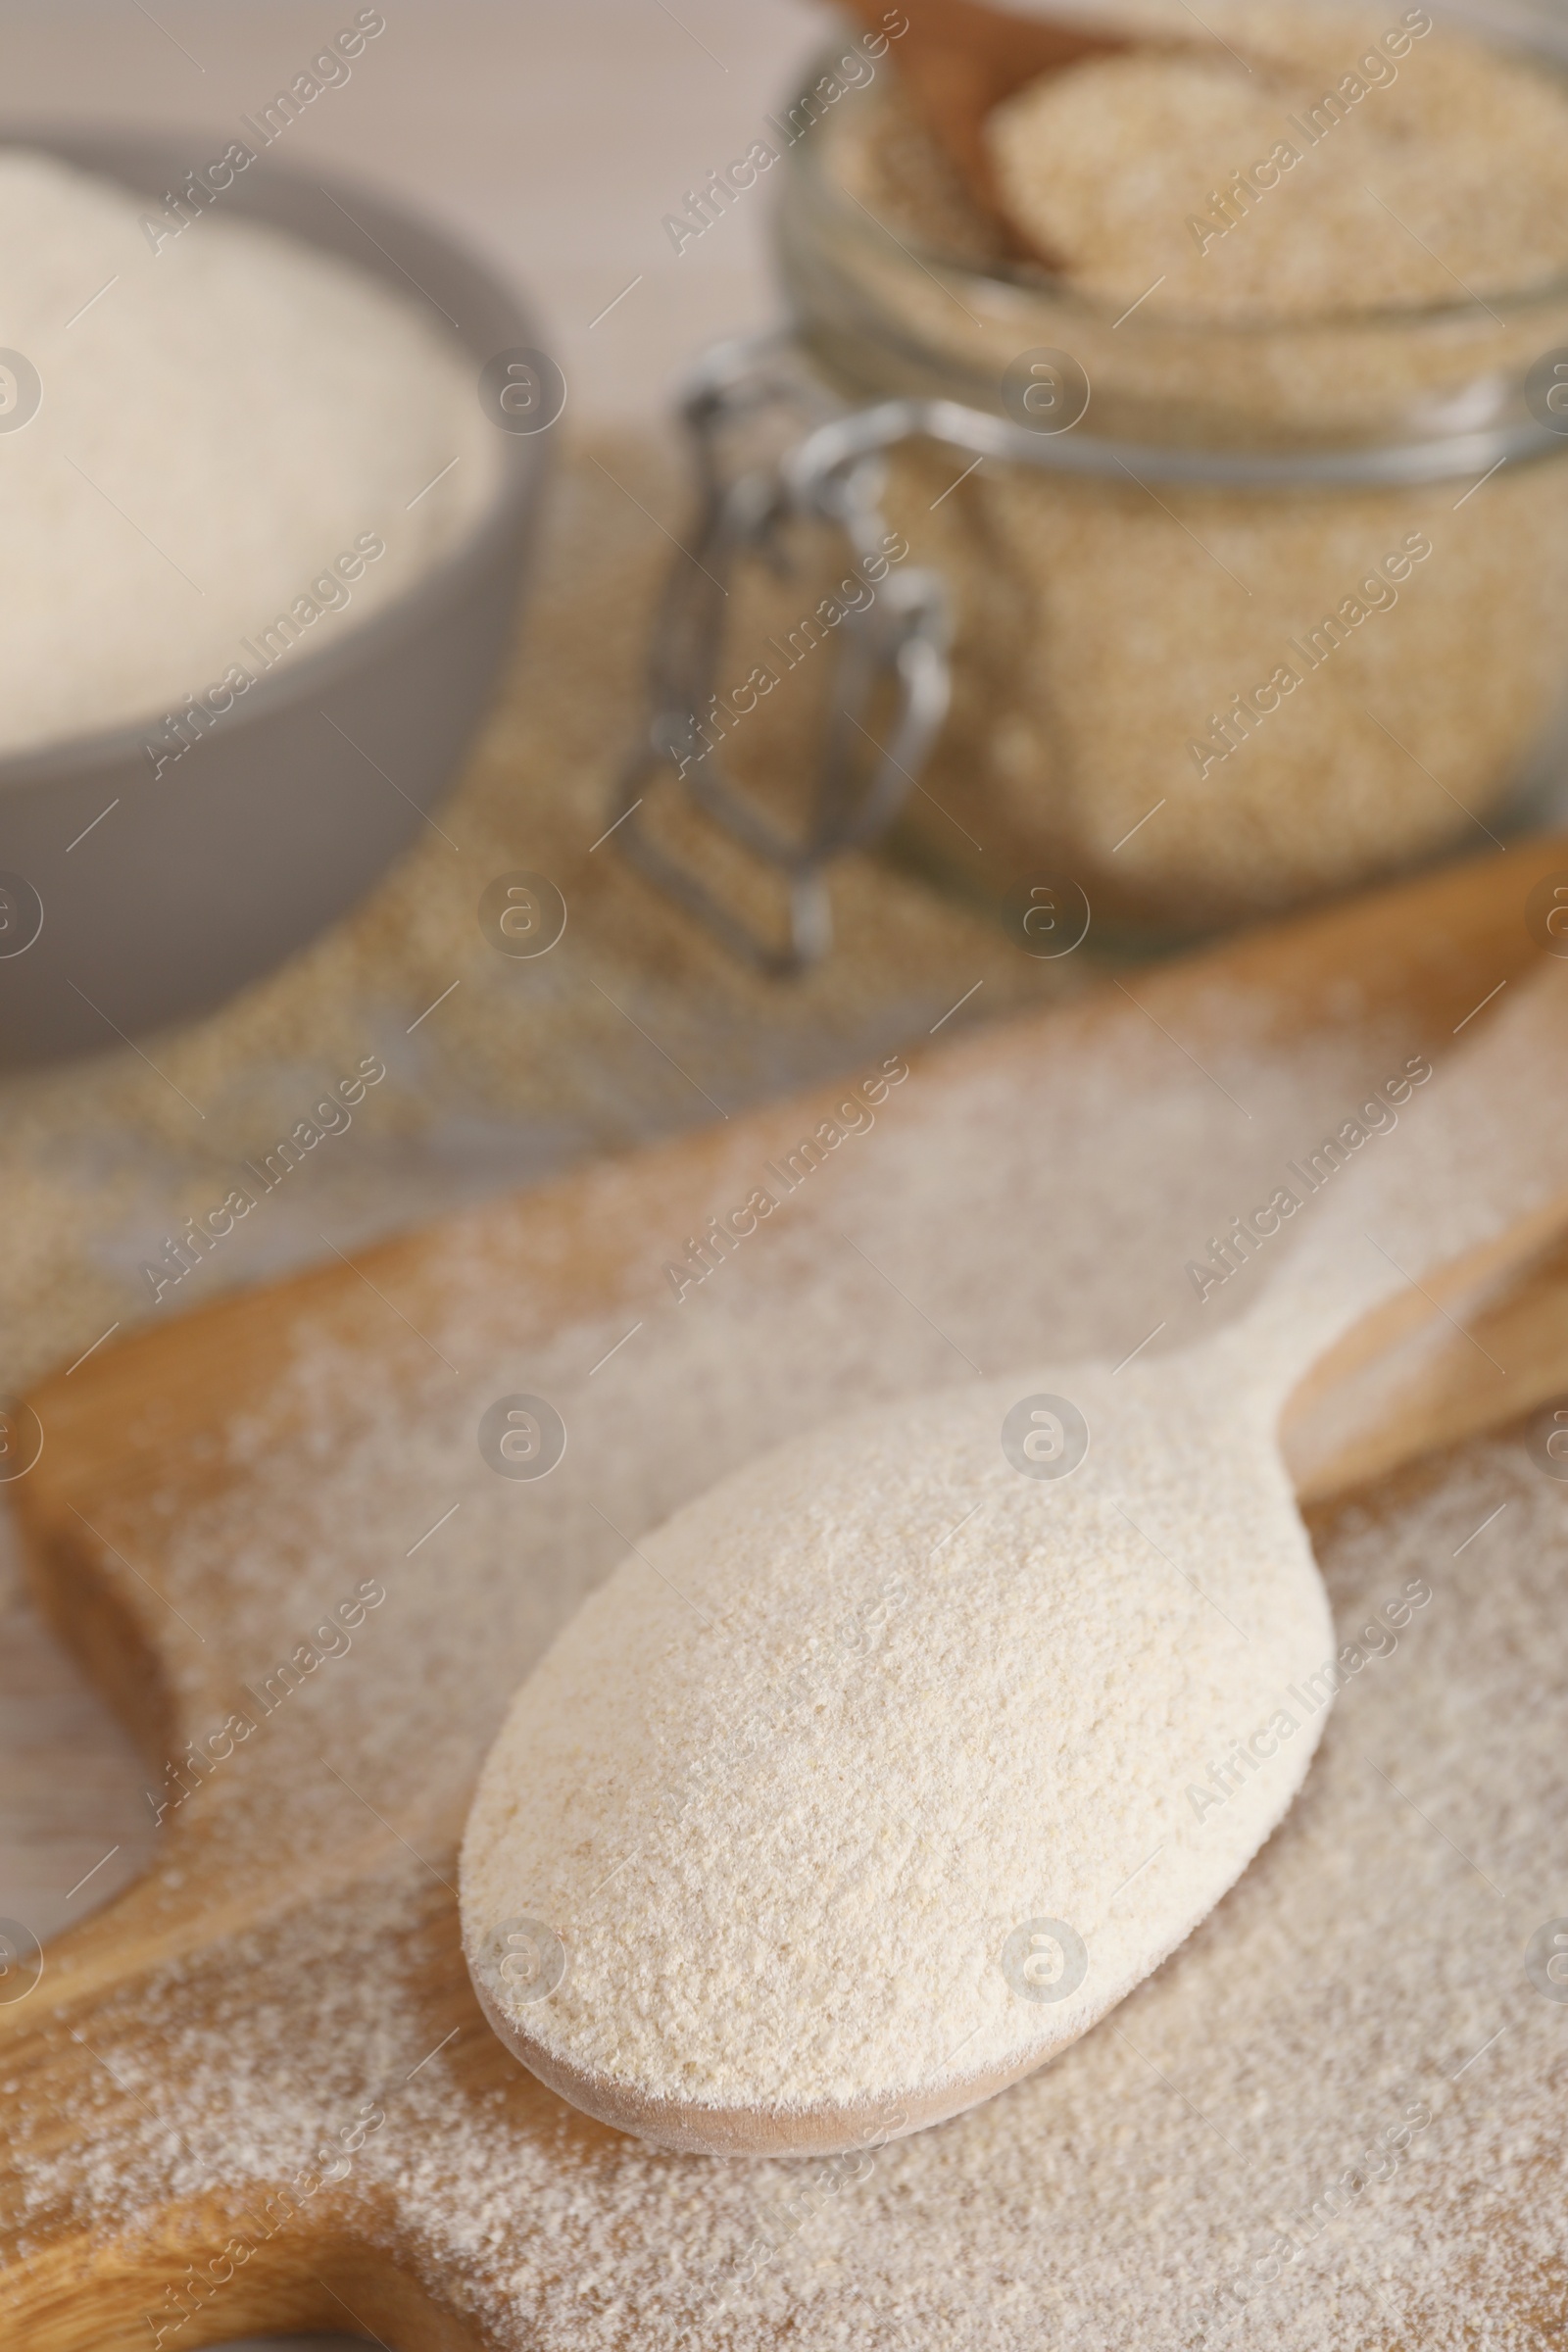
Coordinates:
897	642
832	472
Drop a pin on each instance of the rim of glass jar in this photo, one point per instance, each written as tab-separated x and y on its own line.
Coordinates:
1404	460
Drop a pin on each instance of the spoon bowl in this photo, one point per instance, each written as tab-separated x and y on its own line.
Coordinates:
885	1768
1002	1797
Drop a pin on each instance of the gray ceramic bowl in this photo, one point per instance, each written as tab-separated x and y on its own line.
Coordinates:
270	825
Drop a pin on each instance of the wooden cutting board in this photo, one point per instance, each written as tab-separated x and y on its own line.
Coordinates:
123	2221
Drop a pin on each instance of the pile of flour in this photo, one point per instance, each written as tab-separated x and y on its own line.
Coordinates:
229	425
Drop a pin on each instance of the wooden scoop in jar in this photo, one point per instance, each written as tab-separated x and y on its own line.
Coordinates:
881	1771
958	58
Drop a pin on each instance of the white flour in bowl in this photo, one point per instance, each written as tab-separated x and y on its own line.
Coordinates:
241	447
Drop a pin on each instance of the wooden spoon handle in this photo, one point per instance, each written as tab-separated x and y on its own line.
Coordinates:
960	59
1466	1182
1011	50
1437	1390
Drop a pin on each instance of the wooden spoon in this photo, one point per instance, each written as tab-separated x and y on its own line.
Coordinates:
958	58
881	1771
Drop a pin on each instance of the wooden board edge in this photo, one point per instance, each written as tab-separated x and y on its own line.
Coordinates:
1272	961
209	2268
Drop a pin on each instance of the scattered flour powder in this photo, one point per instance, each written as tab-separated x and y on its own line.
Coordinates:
1348	2057
229	434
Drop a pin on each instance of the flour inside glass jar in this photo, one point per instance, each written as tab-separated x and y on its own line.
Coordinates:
1286	232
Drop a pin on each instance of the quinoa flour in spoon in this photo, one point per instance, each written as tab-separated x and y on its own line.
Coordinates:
883	1770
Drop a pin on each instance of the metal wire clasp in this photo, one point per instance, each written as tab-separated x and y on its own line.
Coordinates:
833	471
898	640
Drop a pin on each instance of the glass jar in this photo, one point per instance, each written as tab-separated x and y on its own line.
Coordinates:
1283	610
